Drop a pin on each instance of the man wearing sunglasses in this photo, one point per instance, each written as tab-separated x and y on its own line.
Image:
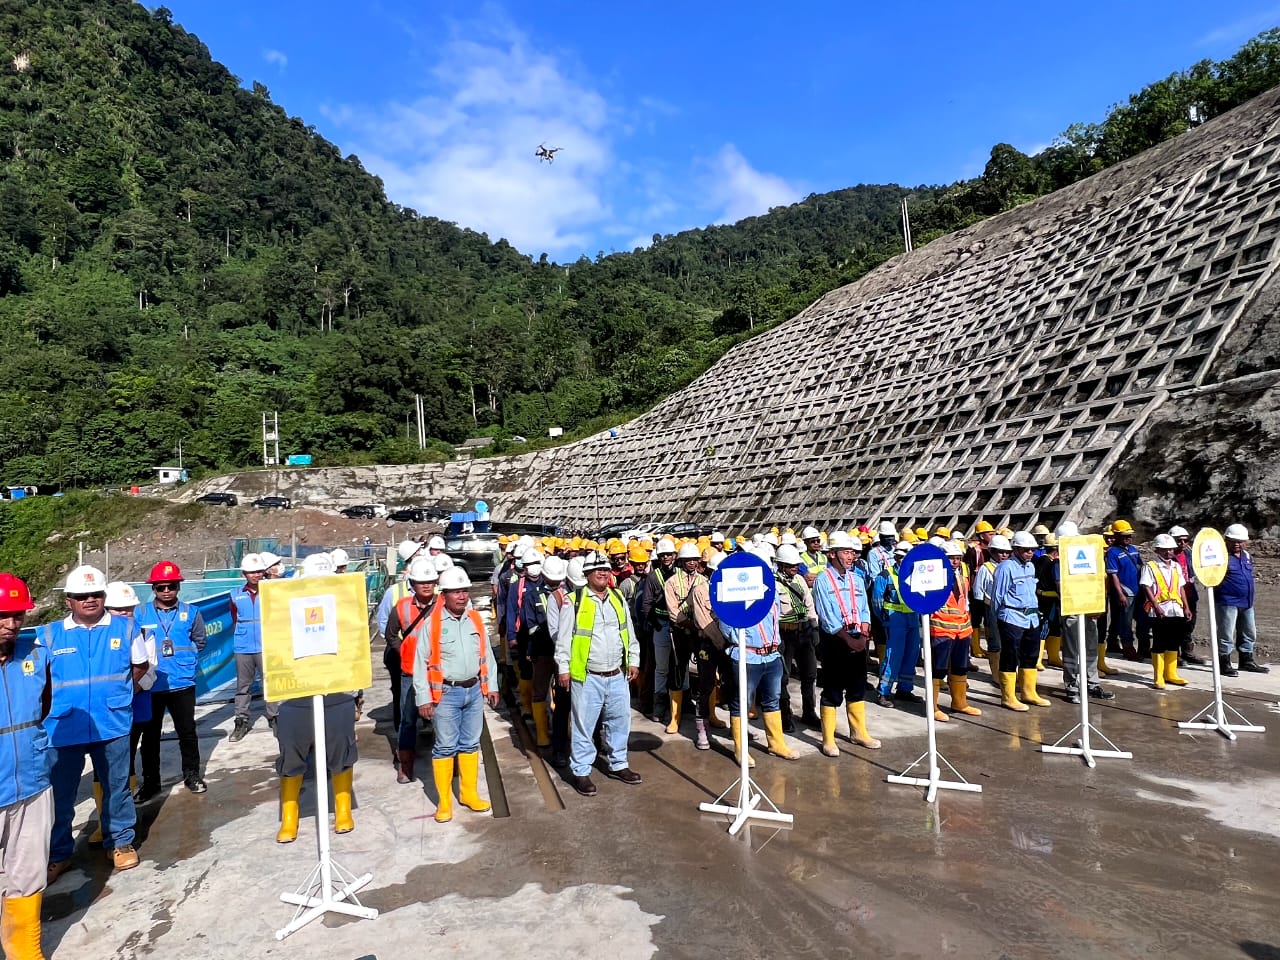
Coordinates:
178	632
97	661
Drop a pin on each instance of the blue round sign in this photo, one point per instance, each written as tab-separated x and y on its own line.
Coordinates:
742	590
925	578
481	507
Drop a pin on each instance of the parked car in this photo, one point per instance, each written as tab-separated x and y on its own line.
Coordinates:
408	515
435	513
361	511
219	499
273	503
683	529
610	530
476	553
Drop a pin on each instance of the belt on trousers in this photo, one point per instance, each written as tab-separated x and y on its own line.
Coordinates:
605	673
763	651
790	627
461	683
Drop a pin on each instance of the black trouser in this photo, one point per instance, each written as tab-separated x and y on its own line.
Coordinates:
799	659
684	642
645	693
1168	634
844	672
181	705
1019	647
709	657
561	710
391	660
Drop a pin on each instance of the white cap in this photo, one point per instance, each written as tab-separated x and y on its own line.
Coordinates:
665	546
887	529
317	565
455	578
1024	538
1068	528
436	543
269	559
952	549
120	594
1000	542
339	557
902	546
840	541
251	563
1236	531
1166	542
576	575
407	548
1179	532
787	553
555	568
689	551
809	533
423	570
86	579
442	562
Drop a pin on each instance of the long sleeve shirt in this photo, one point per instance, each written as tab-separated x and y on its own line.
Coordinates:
797	601
840	600
523	609
394	630
394	593
878	557
459	654
678	590
1014	593
703	616
758	639
606	635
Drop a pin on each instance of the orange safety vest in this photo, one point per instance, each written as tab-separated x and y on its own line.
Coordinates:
407	610
435	674
951	622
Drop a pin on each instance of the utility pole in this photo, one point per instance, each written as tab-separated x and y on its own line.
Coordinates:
906	225
270	439
422	427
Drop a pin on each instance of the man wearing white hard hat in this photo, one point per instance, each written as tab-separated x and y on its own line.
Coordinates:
272	566
949	630
246	622
403	633
684	630
901	633
995	550
709	648
555	574
654	613
798	629
1165	601
97	663
1234	599
341	559
406	552
1017	612
526	620
1183	555
812	557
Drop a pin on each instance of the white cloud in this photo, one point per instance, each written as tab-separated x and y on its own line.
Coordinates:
740	190
1237	31
277	58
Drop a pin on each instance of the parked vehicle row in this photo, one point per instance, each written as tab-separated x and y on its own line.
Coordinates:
228	499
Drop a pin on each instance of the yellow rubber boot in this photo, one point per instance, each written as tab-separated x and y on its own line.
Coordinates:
1171	669
935	693
1157	664
1009	695
829	748
857	716
677	702
960	697
20	927
442	771
1053	651
1040	657
774	738
975	645
290	788
714	722
735	724
1103	668
95	838
525	689
1029	693
342	822
540	723
469	783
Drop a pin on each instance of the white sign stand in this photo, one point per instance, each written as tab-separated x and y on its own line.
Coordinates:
750	796
934	781
1218	720
317	895
1082	747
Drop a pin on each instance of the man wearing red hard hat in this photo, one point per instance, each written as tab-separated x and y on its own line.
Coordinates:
178	631
26	798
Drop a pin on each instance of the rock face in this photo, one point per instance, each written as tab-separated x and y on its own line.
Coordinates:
1106	347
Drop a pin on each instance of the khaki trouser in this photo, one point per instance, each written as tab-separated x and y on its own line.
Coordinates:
25	828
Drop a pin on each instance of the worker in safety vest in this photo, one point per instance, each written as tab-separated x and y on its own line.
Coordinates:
812	557
635	588
1234	596
709	652
246	622
406	550
949	630
902	635
1077	660
523	617
654	613
678	591
1046	564
97	663
844	627
296	736
596	654
1183	555
995	551
976	554
451	684
403	630
26	798
549	701
1165	598
799	632
177	631
1017	612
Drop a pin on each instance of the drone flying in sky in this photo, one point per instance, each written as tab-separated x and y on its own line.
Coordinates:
547	153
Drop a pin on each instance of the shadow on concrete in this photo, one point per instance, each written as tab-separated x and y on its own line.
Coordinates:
1259	951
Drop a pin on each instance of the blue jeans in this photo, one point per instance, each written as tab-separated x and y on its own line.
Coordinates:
458	721
407	736
765	678
902	649
595	698
1229	620
110	760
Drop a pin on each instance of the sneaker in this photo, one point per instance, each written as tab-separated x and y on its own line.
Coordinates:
884	700
907	696
237	734
196	785
56	869
1073	694
147	791
271	722
626	775
125	858
584	786
1101	693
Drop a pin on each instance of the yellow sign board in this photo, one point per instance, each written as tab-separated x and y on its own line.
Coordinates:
1082	575
315	636
1209	557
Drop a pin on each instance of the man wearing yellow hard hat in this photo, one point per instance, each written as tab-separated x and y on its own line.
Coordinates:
1124	570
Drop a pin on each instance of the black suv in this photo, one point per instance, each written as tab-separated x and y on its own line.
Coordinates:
361	511
219	499
273	503
476	553
408	515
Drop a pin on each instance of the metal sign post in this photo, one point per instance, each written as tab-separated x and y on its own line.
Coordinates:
1209	560
743	591
1082	586
925	580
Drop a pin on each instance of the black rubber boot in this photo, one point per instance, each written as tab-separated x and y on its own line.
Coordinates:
1189	654
1225	668
1249	665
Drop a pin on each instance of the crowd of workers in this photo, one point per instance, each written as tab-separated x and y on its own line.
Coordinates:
584	629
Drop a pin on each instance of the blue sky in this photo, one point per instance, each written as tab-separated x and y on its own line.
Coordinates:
676	115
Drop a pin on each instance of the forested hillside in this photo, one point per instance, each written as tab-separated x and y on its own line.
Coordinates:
178	255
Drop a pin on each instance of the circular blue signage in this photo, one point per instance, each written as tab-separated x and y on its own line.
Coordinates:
742	590
925	578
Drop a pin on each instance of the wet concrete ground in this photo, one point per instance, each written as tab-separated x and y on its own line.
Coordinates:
1174	854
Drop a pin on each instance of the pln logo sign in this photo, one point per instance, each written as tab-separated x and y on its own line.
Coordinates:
314	617
314	623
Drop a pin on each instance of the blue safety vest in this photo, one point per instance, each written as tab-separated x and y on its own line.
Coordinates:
92	673
244	609
25	757
176	653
